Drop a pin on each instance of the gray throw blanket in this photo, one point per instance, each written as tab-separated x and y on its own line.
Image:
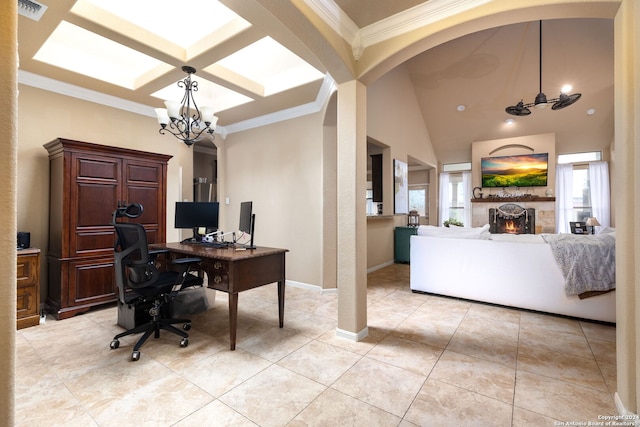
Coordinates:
588	262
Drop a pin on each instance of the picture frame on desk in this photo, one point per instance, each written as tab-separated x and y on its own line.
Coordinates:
578	227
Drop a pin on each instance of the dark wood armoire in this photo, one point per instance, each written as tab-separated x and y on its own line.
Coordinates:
87	183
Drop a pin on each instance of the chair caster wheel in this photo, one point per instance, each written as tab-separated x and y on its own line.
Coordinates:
184	342
135	356
186	326
114	344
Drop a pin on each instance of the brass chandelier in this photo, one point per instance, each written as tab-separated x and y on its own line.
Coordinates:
177	118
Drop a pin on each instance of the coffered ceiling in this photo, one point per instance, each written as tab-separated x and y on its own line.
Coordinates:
256	60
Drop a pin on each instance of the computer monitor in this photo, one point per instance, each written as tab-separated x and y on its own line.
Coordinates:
247	221
197	215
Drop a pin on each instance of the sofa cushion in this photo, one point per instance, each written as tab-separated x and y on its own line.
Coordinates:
453	232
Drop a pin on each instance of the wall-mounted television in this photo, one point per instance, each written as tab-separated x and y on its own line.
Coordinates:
525	170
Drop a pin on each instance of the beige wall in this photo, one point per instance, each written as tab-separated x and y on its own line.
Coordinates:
45	116
394	119
278	168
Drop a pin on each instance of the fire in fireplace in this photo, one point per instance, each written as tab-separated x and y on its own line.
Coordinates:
512	219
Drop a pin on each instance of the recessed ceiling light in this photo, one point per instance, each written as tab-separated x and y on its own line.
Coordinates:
509	122
461	107
566	88
591	111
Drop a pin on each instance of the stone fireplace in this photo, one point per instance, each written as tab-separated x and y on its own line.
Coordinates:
542	211
511	218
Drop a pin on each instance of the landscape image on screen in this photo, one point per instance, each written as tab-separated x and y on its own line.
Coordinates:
528	170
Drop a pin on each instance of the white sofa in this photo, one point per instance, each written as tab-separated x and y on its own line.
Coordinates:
516	271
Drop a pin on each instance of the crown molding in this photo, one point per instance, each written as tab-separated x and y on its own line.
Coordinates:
396	25
67	89
335	17
45	83
326	89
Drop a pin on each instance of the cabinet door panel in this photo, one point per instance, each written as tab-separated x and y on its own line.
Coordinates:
91	281
95	194
97	168
96	203
94	241
144	183
148	198
137	172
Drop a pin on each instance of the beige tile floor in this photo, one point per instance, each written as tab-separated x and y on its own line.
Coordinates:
428	361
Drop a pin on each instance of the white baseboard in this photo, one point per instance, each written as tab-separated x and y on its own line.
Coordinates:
629	416
378	267
311	287
351	335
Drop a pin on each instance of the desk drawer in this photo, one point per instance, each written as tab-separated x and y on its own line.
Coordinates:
219	281
218	273
217	265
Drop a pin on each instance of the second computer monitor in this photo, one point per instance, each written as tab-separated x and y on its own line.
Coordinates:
247	221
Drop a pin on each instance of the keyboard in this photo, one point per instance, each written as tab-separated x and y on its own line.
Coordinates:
214	244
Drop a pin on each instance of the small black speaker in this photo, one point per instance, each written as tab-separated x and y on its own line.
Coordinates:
24	240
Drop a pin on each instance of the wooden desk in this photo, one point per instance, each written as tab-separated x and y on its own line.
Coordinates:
233	271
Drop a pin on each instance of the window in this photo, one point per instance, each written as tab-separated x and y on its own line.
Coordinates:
581	195
456	197
419	199
590	156
456	167
581	192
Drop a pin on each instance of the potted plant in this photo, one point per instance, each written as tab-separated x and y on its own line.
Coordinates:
453	221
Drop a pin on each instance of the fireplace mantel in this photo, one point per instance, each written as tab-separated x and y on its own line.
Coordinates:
513	199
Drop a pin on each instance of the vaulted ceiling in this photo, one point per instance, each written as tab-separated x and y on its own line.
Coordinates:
256	59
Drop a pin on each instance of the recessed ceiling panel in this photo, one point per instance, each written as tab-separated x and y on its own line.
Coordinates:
271	65
208	94
81	51
183	22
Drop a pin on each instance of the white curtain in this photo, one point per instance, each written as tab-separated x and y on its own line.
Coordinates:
564	195
444	197
600	197
467	192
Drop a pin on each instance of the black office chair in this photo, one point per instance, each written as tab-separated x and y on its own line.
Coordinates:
140	282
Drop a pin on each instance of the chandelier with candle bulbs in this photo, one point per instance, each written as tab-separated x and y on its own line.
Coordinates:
183	119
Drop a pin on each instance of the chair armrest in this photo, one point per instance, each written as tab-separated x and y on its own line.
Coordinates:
184	265
178	261
158	251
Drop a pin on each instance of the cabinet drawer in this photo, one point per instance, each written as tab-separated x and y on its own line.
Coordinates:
27	270
26	304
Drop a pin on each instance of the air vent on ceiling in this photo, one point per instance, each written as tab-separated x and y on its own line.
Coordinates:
31	9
